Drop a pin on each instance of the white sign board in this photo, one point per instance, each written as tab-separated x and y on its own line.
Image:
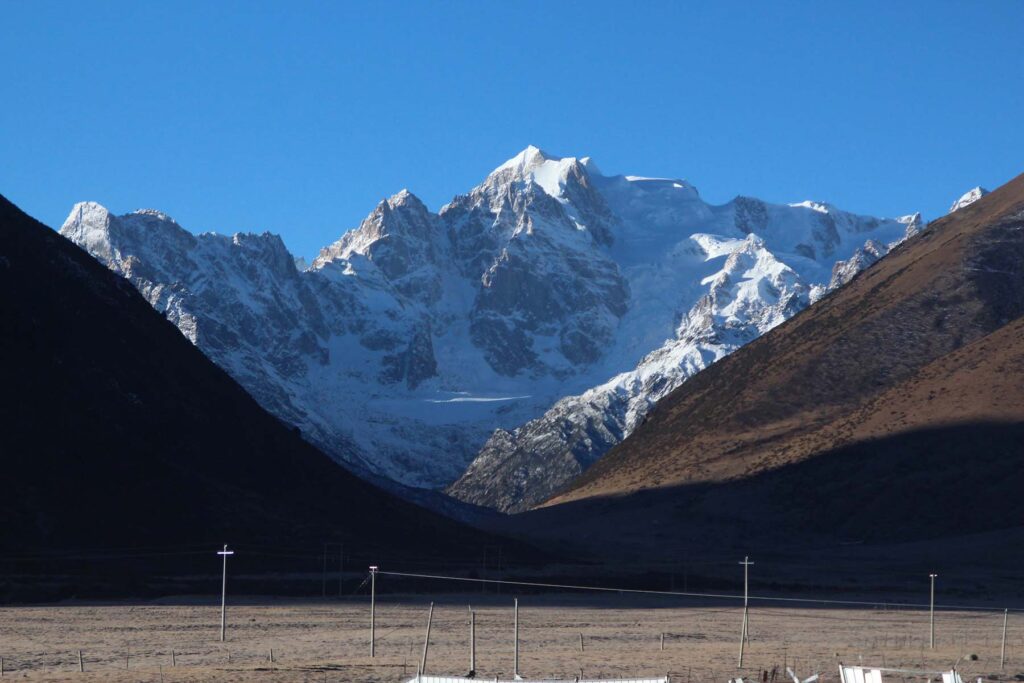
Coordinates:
860	674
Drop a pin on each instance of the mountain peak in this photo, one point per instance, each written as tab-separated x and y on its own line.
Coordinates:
529	158
401	200
87	210
533	158
968	198
402	216
88	225
588	163
550	173
404	198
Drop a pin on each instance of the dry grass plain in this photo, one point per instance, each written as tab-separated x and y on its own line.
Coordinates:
328	641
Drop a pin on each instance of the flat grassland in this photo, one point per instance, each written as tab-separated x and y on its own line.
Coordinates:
622	637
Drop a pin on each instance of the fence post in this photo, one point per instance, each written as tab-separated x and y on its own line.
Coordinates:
1002	650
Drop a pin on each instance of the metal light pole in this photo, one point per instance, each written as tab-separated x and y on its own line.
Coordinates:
224	590
373	607
931	613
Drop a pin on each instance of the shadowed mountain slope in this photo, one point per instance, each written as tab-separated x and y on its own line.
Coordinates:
118	432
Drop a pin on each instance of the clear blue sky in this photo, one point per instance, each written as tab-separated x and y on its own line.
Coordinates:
298	117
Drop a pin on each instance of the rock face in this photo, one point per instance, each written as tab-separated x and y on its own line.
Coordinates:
551	302
752	291
550	297
968	198
283	334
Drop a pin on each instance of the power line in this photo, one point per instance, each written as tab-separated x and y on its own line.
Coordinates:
681	594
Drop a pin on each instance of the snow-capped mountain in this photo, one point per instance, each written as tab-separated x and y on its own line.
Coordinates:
968	198
407	342
746	267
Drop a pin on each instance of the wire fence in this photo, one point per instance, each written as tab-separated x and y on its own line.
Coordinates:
558	638
568	628
713	596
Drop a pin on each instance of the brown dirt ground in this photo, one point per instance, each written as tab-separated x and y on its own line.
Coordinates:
328	641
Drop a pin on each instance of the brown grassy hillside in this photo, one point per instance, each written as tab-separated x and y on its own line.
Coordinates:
926	338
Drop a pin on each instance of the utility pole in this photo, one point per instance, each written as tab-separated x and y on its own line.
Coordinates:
373	607
426	641
746	601
224	590
472	642
341	570
515	667
931	613
1002	650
